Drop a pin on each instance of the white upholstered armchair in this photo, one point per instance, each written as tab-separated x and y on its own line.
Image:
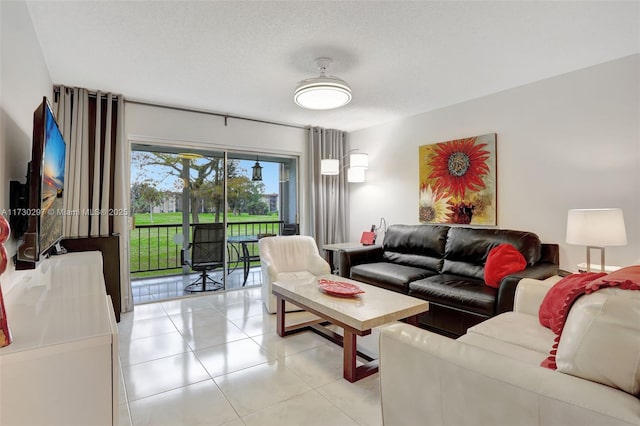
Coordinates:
281	258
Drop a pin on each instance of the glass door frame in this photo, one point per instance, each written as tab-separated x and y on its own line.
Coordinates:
226	154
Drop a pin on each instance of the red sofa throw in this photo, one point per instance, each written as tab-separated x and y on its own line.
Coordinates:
556	305
552	313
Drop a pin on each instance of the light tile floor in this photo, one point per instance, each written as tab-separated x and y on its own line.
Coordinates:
215	359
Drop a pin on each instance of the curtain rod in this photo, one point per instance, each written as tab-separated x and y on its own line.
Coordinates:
217	114
92	93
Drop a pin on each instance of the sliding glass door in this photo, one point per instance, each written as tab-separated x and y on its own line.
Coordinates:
198	216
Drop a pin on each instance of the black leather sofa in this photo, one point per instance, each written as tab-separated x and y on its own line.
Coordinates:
445	266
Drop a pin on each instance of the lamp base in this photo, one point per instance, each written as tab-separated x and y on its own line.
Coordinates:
602	264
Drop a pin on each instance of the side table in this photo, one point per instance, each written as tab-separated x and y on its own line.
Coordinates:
582	267
329	249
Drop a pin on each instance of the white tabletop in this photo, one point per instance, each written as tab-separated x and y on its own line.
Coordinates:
57	303
342	246
595	267
375	307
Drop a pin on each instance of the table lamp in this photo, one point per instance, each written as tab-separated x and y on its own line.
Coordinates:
596	229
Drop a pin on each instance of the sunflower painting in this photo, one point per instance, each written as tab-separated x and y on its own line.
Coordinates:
458	181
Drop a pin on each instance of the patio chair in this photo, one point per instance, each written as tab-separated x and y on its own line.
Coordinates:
290	229
207	254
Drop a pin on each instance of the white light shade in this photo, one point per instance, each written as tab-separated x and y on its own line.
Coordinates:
324	92
329	167
359	160
596	227
355	174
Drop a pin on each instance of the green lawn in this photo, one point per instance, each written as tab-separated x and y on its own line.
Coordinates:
171	218
154	248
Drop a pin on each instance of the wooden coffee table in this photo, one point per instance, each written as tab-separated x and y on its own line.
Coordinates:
356	315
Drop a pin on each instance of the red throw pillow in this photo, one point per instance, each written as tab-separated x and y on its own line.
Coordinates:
502	260
553	313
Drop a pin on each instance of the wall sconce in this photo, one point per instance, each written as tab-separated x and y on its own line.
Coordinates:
358	163
596	229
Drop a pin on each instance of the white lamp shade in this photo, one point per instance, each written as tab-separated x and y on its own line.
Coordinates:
355	174
329	167
359	160
596	227
324	92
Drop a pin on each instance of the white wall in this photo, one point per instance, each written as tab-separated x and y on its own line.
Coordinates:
571	141
162	126
24	80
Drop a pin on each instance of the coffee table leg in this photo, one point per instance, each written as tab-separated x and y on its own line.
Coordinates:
349	361
280	316
413	320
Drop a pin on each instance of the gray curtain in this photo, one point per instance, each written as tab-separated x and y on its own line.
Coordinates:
92	124
329	195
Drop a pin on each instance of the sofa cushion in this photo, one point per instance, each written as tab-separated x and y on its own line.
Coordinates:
420	246
517	329
601	339
503	260
388	275
503	348
467	249
456	291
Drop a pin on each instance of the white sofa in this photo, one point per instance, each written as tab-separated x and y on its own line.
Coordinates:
286	257
492	375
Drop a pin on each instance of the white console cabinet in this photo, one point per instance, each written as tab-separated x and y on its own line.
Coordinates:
62	367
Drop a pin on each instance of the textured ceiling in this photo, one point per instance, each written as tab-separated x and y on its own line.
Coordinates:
401	58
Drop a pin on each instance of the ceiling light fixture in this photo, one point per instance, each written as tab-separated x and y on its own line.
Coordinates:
324	92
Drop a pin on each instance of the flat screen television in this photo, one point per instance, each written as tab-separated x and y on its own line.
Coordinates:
37	206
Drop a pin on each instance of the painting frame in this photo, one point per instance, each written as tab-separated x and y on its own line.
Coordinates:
458	181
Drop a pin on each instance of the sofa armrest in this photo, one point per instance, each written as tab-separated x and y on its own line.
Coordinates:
508	285
550	253
356	256
530	294
269	272
430	379
318	266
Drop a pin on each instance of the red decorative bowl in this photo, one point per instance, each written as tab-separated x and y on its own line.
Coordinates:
339	288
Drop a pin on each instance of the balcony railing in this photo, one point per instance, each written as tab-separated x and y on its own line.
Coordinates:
152	247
